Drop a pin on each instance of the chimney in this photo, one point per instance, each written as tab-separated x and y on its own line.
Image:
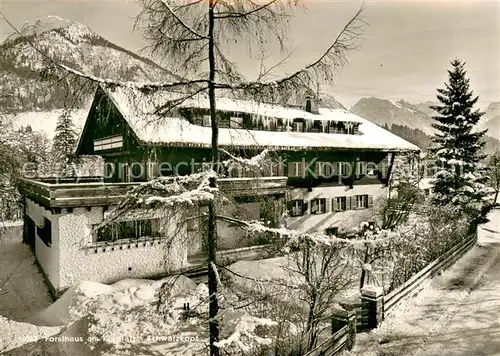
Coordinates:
311	105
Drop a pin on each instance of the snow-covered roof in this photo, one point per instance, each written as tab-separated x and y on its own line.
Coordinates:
138	109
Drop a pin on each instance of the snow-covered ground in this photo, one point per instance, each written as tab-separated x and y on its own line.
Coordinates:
23	291
22	294
456	314
124	318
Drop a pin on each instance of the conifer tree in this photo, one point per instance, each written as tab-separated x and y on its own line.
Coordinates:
457	146
64	144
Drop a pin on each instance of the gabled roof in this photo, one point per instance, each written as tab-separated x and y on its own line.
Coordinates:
138	109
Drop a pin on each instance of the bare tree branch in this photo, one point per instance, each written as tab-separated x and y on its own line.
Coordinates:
225	15
186	26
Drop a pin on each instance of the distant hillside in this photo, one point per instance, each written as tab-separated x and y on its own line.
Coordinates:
415	136
491	120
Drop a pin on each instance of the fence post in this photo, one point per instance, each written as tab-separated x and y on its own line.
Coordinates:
372	299
341	318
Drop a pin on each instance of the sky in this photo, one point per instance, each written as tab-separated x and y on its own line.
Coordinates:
405	52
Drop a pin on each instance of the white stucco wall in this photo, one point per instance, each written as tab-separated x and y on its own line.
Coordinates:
79	261
48	257
345	220
376	190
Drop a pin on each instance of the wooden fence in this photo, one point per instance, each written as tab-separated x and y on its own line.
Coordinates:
442	263
374	306
332	345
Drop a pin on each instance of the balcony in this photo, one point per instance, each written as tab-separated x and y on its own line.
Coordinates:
84	192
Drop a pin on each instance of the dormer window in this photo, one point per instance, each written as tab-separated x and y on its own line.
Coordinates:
207	121
108	143
236	122
298	126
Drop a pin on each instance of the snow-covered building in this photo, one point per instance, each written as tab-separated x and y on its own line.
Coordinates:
329	166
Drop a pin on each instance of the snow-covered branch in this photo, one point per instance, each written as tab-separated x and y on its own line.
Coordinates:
181	22
297	238
333	59
256	162
129	84
244	336
177	191
232	14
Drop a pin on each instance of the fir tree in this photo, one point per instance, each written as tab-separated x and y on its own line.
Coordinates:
64	144
458	148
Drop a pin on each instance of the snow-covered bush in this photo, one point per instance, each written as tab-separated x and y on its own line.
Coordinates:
425	236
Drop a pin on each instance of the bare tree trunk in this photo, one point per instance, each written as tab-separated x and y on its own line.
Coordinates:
212	214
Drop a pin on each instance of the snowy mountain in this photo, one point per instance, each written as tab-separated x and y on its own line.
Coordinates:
27	79
328	101
413	121
383	111
491	120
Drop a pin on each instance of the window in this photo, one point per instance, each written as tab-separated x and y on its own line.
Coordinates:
207	120
298	126
339	204
362	168
124	172
130	229
108	143
318	206
274	170
324	169
296	207
45	232
343	169
332	231
236	122
361	201
152	170
296	169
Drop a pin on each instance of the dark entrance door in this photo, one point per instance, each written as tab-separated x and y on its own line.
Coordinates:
29	232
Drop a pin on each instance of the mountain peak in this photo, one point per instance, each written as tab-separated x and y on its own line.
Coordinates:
76	32
391	112
495	106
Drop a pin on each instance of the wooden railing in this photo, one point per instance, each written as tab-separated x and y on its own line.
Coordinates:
336	343
83	193
441	264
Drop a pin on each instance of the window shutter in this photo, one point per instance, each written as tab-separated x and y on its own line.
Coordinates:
327	206
335	204
351	203
370	201
292	171
328	169
335	168
317	168
305	207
